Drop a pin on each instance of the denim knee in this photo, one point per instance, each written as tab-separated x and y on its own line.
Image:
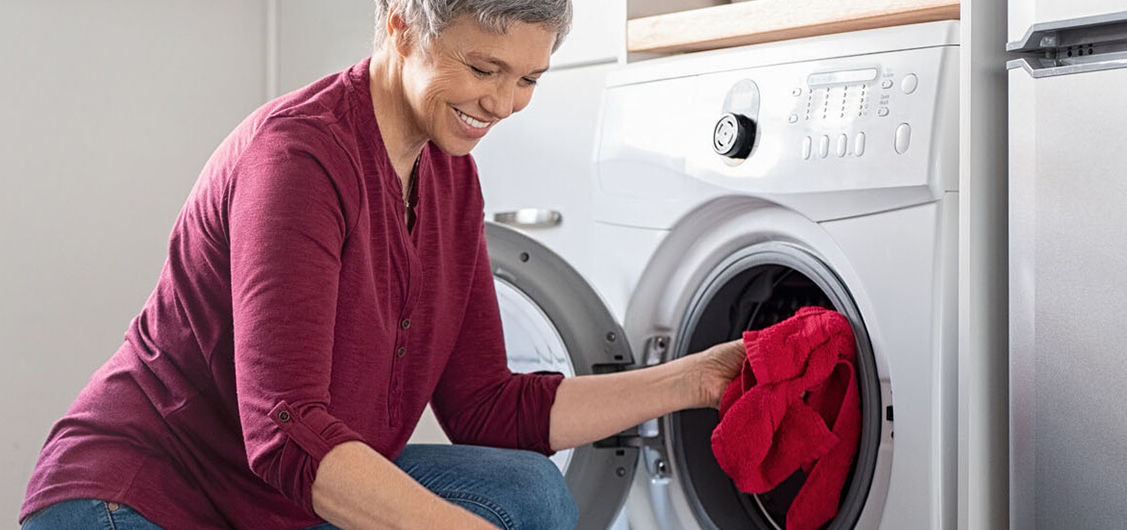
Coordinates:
540	498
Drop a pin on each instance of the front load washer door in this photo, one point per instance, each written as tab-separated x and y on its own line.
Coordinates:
554	321
753	288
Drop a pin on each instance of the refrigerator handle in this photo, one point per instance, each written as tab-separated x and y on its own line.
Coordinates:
1106	27
1039	67
1073	46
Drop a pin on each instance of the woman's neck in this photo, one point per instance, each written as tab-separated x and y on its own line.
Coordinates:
402	137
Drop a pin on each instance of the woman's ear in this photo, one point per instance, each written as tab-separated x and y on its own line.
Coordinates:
398	34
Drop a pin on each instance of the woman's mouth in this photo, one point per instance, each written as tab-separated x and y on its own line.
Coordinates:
474	126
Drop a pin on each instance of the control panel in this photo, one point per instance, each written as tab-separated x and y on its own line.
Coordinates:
835	136
880	121
842	103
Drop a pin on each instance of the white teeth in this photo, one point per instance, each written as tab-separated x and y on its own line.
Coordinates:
477	124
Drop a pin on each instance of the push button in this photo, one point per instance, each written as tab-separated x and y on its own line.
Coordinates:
859	144
807	146
824	146
400	352
406	323
842	145
903	137
909	83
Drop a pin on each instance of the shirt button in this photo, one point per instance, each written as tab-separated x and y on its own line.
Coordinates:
401	352
406	323
284	416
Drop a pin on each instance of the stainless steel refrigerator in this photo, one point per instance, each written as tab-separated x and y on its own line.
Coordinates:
1068	263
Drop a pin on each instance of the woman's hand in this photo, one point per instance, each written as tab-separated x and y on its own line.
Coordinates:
716	367
580	415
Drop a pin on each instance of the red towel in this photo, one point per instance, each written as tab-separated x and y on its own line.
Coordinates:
795	405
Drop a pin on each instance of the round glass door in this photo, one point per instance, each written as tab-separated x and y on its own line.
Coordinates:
754	288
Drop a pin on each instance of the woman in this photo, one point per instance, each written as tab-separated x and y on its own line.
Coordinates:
326	279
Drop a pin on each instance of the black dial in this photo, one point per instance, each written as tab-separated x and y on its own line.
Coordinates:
733	136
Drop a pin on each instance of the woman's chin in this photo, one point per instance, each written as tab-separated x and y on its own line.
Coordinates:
456	146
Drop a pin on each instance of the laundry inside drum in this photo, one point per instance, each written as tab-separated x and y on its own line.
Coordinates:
753	298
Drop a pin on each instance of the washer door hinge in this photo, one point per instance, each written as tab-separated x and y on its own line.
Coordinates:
648	436
656	350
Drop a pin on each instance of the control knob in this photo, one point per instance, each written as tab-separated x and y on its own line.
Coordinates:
733	136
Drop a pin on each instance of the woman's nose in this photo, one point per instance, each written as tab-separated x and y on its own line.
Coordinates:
501	102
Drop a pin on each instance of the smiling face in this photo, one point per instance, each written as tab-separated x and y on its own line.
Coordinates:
467	79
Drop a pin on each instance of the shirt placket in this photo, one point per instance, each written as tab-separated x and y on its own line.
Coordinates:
403	344
401	352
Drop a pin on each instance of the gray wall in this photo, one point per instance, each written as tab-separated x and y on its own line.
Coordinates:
109	110
318	37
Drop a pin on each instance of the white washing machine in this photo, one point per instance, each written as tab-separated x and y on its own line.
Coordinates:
731	188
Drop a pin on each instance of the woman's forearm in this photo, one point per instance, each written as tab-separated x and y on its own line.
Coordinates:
593	407
356	487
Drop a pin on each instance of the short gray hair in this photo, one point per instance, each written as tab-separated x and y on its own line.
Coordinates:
427	18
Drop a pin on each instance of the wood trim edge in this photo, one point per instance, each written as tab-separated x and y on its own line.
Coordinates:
640	31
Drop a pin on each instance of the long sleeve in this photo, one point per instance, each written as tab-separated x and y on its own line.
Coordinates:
287	227
478	400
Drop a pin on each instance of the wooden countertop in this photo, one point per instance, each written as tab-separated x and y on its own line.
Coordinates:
771	20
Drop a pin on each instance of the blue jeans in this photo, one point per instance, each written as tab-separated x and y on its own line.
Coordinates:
510	489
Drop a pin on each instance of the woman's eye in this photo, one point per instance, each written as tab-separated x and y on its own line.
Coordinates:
480	72
529	81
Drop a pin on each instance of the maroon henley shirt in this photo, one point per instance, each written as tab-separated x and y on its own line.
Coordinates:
295	312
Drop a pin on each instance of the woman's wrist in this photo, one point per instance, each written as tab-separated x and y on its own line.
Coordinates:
710	372
688	386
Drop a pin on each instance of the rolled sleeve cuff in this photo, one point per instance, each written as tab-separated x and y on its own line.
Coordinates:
535	416
316	432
